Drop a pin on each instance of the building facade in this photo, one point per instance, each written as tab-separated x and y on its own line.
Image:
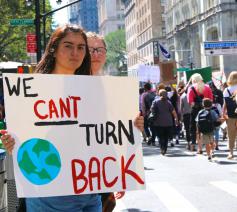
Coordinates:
192	22
85	13
111	15
145	29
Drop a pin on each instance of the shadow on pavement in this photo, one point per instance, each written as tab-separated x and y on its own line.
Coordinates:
150	150
148	169
225	162
135	210
220	155
177	153
172	155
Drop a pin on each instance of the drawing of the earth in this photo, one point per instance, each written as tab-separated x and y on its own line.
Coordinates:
39	161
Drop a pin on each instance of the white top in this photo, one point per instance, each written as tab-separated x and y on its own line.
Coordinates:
232	89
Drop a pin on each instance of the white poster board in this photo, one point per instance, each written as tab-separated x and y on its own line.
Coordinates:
147	73
74	134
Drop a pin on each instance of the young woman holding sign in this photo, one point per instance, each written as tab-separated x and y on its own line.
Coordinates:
66	53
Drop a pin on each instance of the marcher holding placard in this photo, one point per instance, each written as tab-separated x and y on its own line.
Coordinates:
66	53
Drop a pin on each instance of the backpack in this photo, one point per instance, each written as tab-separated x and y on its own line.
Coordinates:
205	122
230	105
149	98
197	99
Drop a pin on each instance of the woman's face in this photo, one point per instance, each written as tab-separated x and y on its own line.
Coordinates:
69	54
98	54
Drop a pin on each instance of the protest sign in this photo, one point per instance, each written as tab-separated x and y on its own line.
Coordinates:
74	134
148	73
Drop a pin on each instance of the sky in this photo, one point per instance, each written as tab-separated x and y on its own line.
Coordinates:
61	16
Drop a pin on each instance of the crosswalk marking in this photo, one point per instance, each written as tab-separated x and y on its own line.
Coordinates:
226	186
171	198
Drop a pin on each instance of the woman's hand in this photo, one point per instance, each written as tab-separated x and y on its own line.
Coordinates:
119	195
8	141
139	123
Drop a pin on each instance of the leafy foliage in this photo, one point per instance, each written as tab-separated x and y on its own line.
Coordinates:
13	38
116	51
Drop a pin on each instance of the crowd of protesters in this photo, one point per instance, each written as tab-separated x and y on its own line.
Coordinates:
197	111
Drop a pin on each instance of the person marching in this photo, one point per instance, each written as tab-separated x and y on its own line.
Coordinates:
230	112
206	119
164	113
196	93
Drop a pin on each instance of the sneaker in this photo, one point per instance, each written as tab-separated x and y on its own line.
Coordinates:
177	141
209	158
199	152
216	148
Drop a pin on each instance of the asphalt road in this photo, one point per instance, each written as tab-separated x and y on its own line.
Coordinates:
183	181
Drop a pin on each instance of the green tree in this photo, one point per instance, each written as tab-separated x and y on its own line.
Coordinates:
116	51
13	38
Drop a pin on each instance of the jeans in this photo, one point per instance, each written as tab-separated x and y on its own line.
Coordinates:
73	203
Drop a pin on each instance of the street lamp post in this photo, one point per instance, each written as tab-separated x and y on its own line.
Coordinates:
37	30
38	17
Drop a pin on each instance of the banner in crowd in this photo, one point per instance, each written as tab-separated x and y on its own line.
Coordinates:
205	72
148	73
74	134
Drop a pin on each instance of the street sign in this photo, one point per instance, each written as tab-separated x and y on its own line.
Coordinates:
214	48
31	38
26	22
31	46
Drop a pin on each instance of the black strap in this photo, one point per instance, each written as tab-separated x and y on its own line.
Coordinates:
195	92
229	92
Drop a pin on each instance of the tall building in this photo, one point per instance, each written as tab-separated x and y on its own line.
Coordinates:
192	22
145	29
111	15
85	13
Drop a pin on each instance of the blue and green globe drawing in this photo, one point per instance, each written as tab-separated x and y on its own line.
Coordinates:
39	161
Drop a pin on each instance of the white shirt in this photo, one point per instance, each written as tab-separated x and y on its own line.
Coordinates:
232	89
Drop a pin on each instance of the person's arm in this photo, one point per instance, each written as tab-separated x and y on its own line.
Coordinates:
175	117
143	104
181	106
224	111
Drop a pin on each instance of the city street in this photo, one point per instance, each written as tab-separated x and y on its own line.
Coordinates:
184	181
